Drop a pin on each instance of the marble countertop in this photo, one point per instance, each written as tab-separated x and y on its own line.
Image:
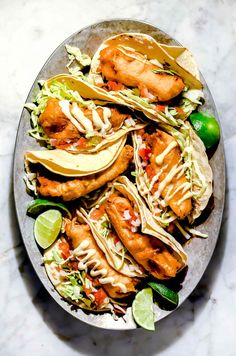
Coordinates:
31	322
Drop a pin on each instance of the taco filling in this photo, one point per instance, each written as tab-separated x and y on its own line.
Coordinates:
132	69
161	157
69	124
78	187
148	251
91	257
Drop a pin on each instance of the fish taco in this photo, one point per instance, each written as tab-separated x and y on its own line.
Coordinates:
80	272
159	80
124	227
172	172
64	119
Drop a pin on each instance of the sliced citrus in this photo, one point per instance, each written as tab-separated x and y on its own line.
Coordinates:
142	309
47	227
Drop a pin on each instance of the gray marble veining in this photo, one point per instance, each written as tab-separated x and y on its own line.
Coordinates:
31	322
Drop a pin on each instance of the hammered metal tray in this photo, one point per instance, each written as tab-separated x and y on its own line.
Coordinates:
199	250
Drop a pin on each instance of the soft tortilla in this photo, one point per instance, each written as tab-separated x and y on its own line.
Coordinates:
82	164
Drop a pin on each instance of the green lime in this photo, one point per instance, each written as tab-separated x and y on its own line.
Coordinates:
165	292
47	227
206	127
37	206
142	309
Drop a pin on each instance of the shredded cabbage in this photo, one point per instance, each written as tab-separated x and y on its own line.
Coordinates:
77	60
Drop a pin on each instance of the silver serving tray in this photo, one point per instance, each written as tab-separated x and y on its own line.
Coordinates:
199	250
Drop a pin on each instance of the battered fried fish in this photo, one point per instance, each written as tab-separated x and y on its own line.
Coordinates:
166	164
115	284
148	251
58	127
75	188
133	70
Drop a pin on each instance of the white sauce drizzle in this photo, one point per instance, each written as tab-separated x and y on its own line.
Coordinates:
185	197
65	107
184	187
83	120
175	169
160	158
82	123
86	261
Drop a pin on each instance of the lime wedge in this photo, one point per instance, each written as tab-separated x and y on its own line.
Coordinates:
165	292
37	206
142	309
206	127
47	227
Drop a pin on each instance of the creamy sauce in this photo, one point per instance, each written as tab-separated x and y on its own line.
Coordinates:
87	260
175	170
184	187
124	51
65	107
160	158
185	197
83	120
82	123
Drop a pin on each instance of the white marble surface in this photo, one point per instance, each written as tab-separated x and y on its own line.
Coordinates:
31	322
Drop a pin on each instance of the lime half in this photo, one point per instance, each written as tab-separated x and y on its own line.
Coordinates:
206	127
47	227
142	309
37	206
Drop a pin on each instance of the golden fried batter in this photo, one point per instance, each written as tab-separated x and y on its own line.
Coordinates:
158	142
55	123
147	250
75	188
79	233
58	127
137	72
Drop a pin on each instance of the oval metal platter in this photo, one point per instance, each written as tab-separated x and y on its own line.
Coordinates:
199	250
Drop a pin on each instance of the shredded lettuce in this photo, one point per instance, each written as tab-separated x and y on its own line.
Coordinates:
77	61
57	256
190	100
132	94
56	90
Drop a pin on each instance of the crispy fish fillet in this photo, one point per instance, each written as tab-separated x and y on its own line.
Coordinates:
115	284
137	72
57	126
158	142
148	251
55	123
76	188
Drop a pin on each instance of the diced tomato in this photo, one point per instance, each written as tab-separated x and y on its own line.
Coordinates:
82	142
145	153
150	171
99	296
116	239
97	213
65	249
114	86
160	108
87	291
179	110
74	265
